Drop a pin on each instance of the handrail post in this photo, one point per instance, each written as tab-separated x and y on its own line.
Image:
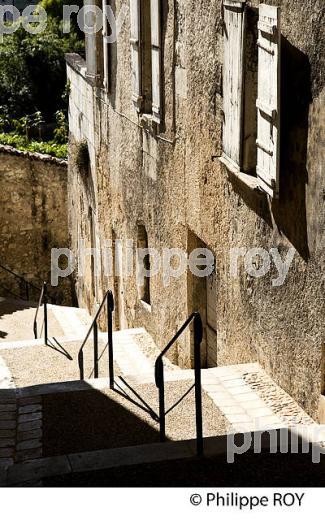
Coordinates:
81	365
110	308
95	350
45	314
198	388
162	413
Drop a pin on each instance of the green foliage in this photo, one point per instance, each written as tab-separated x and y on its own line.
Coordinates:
82	157
62	128
22	143
54	8
33	70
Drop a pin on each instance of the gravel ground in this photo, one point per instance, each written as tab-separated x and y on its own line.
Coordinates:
249	469
92	420
151	351
39	364
16	321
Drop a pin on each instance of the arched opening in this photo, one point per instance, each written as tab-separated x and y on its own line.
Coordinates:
143	265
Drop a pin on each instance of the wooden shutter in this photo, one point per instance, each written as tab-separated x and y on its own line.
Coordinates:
156	59
268	99
135	53
105	47
233	92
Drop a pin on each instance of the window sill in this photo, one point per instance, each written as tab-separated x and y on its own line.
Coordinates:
148	122
248	180
146	306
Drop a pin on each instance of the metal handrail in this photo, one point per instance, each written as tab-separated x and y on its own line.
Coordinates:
159	379
26	283
109	300
42	298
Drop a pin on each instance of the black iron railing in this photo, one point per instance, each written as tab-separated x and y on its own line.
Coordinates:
43	299
159	378
26	289
109	301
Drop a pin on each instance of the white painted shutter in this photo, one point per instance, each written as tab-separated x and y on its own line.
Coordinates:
233	91
105	46
156	59
135	53
268	99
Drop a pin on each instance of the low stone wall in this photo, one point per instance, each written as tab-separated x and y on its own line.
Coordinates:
33	218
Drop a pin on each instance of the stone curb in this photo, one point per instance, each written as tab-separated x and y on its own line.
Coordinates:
129	456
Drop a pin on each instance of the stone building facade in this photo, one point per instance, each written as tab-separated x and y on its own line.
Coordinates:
149	163
33	220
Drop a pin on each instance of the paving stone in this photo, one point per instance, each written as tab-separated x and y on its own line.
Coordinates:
6	452
222	401
5	463
30	400
260	412
10	407
7	433
214	387
6	443
24	455
244	427
7	425
28	444
238	418
30	408
28	417
232	410
7	393
7	399
252	405
33	425
244	391
235	383
7	416
251	396
32	434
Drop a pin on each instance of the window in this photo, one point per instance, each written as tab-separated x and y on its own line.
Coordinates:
238	109
143	267
106	61
146	57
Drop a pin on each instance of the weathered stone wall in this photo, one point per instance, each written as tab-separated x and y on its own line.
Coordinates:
174	185
33	219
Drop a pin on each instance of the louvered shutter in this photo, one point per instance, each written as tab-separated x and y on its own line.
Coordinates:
156	59
233	95
268	99
135	53
105	46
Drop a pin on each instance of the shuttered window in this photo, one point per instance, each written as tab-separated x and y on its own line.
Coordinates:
268	102
155	59
146	56
135	52
234	31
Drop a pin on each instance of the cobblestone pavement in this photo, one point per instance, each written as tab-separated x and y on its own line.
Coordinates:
20	424
277	399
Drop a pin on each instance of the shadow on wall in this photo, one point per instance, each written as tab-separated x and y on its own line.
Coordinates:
290	210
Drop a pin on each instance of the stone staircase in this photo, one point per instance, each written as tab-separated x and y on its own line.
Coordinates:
53	424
